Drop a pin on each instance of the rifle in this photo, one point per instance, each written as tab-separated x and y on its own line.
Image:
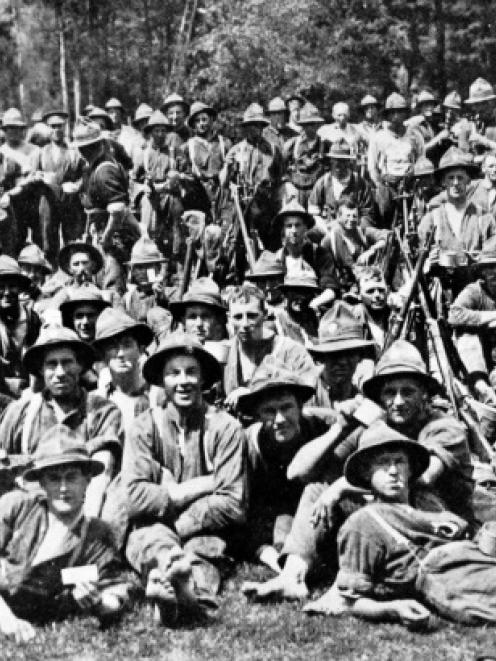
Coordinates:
188	266
250	255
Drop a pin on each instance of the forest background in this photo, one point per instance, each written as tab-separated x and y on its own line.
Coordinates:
74	52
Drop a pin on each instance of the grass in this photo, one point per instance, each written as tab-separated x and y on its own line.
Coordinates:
250	632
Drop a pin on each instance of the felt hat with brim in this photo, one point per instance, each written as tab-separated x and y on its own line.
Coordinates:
203	291
113	103
254	114
174	100
276	105
113	323
340	151
51	338
182	343
381	438
487	257
369	100
34	255
87	109
157	118
145	251
86	132
53	114
423	167
455	158
13	118
293	208
197	108
402	359
480	90
268	265
10	270
61	446
309	114
270	377
453	100
426	97
395	101
79	246
143	111
304	281
339	331
100	113
90	295
296	96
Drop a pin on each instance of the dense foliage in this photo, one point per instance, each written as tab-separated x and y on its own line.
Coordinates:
243	50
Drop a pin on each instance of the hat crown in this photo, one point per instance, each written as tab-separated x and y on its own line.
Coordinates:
396	101
111	321
254	113
455	157
9	266
453	100
293	207
271	371
480	89
145	250
203	287
426	96
309	113
304	276
401	356
276	105
199	106
143	111
113	103
86	131
98	112
57	335
85	294
33	254
13	117
268	263
378	434
60	441
369	100
157	118
423	166
339	323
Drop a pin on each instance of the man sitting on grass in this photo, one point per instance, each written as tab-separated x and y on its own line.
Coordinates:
44	533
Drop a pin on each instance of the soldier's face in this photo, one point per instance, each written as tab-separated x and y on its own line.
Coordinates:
61	371
14	134
280	414
203	123
489	168
116	116
183	381
9	294
373	294
389	473
122	354
253	132
371	113
298	301
34	272
397	117
247	320
201	322
348	218
294	231
65	487
341	169
488	276
159	134
404	400
84	321
278	119
176	115
270	287
294	107
426	109
58	131
81	266
455	182
339	369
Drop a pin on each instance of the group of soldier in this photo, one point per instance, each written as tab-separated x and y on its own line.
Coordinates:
277	346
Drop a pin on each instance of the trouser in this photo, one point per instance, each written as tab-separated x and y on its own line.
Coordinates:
385	196
148	547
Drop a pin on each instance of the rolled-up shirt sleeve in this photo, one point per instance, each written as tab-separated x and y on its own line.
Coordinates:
465	311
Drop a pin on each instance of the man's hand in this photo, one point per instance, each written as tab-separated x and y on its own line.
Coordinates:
86	595
365	258
409	610
231	401
5	201
13	627
324	507
484	391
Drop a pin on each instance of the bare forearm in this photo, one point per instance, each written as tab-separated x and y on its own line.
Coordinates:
374	610
307	459
185	493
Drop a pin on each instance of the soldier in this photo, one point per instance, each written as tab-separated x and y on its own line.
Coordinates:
63	168
176	110
184	475
423	122
102	118
278	131
371	122
141	116
341	181
482	192
124	134
480	134
34	265
373	310
294	104
341	129
303	153
201	312
300	322
392	153
81	310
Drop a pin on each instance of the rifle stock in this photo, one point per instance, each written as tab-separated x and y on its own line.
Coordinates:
250	255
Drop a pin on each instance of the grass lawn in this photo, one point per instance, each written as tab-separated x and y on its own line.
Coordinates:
249	632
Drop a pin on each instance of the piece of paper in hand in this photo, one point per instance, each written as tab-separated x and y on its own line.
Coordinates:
82	574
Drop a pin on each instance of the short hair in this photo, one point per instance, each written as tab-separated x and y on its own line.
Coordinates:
369	273
348	201
243	293
489	154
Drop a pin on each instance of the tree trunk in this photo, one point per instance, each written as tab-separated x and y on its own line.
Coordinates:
76	88
440	49
16	17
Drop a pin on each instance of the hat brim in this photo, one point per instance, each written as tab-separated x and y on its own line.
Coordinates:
137	120
471	169
263	276
248	403
92	465
372	387
166	106
60	113
67	307
311	120
86	143
341	345
14	125
142	333
340	157
255	122
295	97
471	100
389	110
23	282
360	459
45	266
210	366
71	248
308	219
149	127
300	287
33	358
155	260
178	308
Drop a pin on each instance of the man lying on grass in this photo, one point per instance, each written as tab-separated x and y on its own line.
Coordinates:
53	559
397	562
